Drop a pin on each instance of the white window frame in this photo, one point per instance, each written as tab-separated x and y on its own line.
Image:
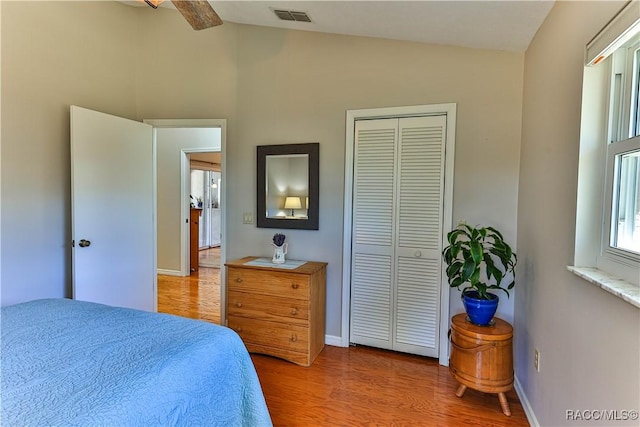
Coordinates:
621	262
622	130
605	118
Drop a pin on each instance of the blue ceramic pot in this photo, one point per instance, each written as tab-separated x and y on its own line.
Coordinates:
480	311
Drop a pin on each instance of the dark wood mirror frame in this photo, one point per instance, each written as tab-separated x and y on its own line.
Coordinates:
313	151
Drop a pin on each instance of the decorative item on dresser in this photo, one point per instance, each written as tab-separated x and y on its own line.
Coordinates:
278	309
280	248
482	357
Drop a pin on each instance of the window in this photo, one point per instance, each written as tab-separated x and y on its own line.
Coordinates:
608	204
621	202
624	227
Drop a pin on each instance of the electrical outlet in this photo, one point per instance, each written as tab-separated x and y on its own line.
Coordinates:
247	218
536	360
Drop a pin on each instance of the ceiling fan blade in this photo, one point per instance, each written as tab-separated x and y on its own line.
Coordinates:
198	13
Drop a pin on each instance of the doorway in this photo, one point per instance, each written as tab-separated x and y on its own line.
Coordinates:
175	142
206	185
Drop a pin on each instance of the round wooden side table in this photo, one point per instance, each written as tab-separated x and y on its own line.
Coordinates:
482	357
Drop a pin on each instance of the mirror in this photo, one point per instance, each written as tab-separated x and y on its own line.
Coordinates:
288	185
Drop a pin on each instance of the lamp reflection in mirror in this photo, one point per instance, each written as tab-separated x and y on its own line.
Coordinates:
292	203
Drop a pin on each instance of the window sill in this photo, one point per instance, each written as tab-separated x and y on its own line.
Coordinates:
618	287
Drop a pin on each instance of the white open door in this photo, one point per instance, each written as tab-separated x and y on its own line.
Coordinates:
113	221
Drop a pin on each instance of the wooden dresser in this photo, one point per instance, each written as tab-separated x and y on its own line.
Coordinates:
278	311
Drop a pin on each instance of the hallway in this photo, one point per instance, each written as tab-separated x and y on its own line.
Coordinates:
196	296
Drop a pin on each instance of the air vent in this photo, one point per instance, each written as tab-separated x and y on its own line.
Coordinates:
292	15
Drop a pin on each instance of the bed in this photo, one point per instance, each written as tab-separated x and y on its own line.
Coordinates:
67	362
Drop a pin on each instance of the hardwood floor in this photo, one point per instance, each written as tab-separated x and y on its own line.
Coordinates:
365	386
196	296
209	257
347	386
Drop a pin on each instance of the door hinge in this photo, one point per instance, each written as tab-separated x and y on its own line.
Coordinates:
73	243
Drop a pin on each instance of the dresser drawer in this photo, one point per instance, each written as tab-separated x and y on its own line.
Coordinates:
276	310
276	283
261	307
271	334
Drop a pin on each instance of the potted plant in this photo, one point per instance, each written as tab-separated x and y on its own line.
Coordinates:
478	260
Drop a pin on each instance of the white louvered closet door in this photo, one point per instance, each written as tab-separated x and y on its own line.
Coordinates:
397	232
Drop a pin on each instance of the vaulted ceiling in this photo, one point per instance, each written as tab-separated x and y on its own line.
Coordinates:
500	24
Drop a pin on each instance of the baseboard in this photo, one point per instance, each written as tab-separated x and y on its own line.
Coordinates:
333	340
169	272
528	410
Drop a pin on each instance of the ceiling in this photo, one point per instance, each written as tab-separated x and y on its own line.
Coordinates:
501	24
215	158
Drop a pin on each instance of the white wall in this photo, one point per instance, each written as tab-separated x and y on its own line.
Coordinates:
296	86
273	86
589	340
54	54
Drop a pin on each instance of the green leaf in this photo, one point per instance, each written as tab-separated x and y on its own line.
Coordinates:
508	251
446	255
482	232
504	260
455	283
501	288
498	275
496	232
476	251
467	269
452	237
455	250
454	268
490	267
482	290
475	277
474	234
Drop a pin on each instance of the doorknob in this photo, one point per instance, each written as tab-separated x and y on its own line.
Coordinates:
84	243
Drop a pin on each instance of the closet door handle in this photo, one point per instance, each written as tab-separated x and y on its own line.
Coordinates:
417	254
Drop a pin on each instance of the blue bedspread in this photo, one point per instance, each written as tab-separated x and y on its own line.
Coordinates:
66	362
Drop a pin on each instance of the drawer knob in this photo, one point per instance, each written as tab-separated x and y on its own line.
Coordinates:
294	338
238	304
295	285
294	311
239	279
239	329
